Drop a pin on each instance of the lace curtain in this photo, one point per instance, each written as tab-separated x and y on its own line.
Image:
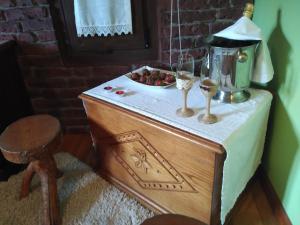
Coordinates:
102	17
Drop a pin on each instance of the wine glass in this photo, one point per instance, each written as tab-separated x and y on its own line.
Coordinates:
209	83
184	81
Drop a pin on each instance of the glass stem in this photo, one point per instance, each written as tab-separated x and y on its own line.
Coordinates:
208	100
185	92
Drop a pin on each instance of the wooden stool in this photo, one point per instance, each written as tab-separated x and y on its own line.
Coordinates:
32	140
171	219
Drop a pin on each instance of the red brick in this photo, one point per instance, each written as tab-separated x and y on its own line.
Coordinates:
35	12
240	2
81	71
45	36
40	2
194	4
21	13
93	82
47	83
45	60
25	37
14	14
230	13
39	49
186	43
36	25
44	103
52	72
6	3
198	16
77	112
110	71
9	27
4	37
187	30
219	3
218	26
72	102
23	2
76	82
71	92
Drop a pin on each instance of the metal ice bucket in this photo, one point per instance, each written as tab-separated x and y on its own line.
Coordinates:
234	62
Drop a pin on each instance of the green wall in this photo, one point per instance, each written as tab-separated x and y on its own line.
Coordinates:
280	23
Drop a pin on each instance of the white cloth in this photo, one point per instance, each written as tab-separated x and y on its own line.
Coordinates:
245	29
102	17
241	128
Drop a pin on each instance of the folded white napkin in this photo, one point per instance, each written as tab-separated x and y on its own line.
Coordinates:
245	29
102	17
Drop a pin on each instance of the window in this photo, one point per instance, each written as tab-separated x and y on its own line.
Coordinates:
141	45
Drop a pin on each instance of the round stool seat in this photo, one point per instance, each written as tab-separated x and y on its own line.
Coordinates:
30	138
172	219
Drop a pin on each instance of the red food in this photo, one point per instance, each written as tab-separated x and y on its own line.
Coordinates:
120	92
170	78
142	79
145	72
108	88
159	83
162	76
135	76
149	81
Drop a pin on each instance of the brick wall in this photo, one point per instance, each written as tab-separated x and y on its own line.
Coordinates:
54	88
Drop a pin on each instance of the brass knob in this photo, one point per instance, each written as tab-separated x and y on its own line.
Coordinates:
242	56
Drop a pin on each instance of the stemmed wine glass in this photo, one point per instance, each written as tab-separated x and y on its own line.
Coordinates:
209	83
184	81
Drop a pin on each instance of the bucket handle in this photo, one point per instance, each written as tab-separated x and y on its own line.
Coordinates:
242	56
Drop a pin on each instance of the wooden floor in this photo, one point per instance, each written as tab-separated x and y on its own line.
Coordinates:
253	207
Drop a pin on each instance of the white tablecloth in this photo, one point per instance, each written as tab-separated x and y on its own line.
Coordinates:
241	128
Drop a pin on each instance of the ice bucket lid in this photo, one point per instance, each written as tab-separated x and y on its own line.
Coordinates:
229	43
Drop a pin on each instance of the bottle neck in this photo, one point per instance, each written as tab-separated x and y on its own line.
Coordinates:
248	11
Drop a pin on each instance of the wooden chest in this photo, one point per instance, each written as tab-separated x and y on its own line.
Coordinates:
167	169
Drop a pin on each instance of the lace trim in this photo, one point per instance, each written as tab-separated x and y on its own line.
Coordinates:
104	30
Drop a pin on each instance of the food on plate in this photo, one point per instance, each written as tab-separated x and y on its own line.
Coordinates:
170	78
159	83
150	81
153	77
162	76
154	74
142	79
135	76
145	72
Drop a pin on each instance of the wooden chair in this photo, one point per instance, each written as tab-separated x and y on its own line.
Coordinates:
32	140
171	219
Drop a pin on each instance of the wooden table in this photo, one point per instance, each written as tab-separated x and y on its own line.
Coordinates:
171	164
167	169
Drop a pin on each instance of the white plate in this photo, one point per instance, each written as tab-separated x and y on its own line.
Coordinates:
150	69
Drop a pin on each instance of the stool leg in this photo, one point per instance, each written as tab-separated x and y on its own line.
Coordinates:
28	175
47	174
58	172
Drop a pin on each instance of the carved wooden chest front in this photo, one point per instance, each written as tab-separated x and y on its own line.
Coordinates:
165	168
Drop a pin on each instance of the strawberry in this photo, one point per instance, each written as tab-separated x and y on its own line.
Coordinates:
170	78
142	79
159	83
135	76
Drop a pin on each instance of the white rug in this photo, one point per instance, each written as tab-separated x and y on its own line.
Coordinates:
85	199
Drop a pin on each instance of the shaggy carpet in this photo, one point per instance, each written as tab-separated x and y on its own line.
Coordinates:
85	199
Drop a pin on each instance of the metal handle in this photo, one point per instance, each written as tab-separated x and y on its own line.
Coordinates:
242	56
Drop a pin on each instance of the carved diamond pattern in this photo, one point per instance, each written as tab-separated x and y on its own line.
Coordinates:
146	165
